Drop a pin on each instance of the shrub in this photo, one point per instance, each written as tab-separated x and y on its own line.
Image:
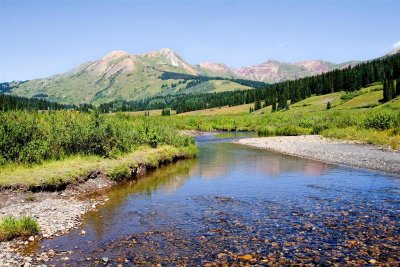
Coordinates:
291	130
381	120
351	95
31	137
318	128
11	227
266	131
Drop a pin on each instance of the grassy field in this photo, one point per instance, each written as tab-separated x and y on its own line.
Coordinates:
348	118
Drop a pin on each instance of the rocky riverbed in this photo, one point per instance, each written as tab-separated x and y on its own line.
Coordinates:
56	213
331	151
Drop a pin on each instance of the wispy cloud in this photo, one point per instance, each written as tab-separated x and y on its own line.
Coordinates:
396	45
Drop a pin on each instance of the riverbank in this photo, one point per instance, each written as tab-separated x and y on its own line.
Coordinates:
331	151
57	198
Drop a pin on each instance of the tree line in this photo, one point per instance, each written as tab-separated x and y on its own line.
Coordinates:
279	95
10	102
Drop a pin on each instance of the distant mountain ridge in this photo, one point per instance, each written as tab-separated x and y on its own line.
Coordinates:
120	75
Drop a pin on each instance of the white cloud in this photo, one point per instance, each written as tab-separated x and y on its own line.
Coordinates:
396	45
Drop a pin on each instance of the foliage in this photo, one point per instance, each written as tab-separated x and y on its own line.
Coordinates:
350	95
29	137
11	227
381	120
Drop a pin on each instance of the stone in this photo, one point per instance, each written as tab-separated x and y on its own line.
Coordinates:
31	239
105	259
246	257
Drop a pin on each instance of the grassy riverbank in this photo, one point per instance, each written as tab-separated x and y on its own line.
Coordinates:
57	148
358	116
55	174
374	126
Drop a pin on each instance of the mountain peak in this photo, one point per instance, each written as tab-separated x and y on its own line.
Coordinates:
394	51
115	54
163	52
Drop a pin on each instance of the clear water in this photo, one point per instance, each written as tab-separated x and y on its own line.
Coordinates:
235	200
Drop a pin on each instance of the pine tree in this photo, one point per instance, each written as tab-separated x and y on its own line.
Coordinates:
392	89
273	107
328	105
387	90
397	87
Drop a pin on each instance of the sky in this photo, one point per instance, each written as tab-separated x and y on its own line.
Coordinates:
39	38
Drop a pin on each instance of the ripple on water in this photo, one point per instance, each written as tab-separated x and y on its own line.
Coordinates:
238	204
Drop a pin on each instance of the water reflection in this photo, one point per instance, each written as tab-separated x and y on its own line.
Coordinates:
235	200
217	159
166	179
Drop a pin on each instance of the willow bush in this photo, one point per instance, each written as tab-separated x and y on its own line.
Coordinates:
31	137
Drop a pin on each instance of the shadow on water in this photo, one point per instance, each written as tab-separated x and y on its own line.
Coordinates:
234	200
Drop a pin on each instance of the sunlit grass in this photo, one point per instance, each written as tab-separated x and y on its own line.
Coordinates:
11	227
69	170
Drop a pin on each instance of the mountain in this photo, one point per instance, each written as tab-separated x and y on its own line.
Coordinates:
273	71
394	51
120	75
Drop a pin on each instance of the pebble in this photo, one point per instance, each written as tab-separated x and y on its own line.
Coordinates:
55	217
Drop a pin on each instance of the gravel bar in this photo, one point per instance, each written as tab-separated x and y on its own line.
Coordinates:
338	152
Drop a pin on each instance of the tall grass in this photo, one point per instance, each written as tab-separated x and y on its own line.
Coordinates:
11	227
32	137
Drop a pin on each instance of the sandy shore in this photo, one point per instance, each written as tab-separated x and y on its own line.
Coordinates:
331	151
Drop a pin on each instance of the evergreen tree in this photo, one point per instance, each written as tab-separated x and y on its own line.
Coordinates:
387	90
392	88
328	105
273	107
397	87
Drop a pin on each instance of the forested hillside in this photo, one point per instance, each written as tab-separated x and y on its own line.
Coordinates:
279	95
10	102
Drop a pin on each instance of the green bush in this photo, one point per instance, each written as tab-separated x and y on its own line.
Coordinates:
266	131
318	128
11	227
31	137
381	120
291	130
351	95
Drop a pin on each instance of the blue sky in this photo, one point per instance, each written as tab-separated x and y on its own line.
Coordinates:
41	38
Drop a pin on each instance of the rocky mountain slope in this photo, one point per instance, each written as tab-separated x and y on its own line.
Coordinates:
120	75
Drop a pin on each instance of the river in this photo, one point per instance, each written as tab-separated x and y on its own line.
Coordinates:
237	204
